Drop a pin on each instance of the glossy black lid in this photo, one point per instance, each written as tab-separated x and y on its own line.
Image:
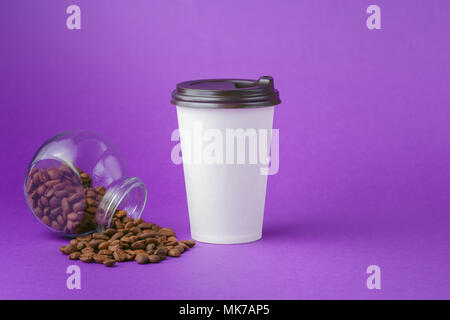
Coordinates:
226	93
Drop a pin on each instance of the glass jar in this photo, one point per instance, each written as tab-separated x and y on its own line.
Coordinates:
76	181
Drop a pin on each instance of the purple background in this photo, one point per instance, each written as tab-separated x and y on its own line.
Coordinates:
364	141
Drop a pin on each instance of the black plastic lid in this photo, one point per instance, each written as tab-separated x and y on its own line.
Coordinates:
226	93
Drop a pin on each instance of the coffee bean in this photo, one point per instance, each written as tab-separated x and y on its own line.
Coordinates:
185	246
61	193
174	253
91	210
44	201
155	241
94	243
69	226
60	220
38	212
103	245
135	230
142	258
121	214
33	172
189	243
145	225
109	232
43	175
75	197
87	237
154	258
166	232
54	212
118	224
105	252
70	248
114	242
33	195
65	205
72	216
134	238
46	220
127	219
162	251
48	193
87	258
75	255
87	250
54	173
138	245
30	186
54	202
119	255
91	202
131	253
76	227
179	248
79	206
117	235
84	175
59	186
99	236
36	180
99	258
129	225
91	194
171	241
41	190
109	262
52	183
147	234
125	239
81	245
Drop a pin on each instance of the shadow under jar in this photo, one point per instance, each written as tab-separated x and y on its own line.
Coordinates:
76	181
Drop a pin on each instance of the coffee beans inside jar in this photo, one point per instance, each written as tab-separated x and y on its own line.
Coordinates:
64	199
127	239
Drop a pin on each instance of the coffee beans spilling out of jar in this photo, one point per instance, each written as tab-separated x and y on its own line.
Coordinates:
63	198
127	239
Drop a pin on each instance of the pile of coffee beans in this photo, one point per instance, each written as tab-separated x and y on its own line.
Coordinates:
63	198
127	239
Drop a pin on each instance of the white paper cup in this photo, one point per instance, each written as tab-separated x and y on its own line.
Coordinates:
226	190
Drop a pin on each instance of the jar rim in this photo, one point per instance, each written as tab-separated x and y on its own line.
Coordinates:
119	196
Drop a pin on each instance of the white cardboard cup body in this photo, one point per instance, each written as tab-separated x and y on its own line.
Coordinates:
225	200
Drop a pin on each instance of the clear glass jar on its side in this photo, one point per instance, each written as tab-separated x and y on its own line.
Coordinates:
76	181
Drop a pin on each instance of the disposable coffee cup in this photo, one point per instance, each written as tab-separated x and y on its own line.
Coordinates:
225	128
